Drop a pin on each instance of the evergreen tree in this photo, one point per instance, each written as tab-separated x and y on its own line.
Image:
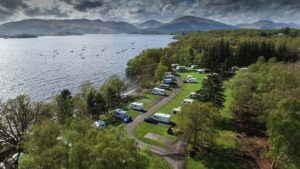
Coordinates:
212	91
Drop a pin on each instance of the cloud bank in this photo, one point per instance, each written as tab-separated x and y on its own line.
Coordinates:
227	11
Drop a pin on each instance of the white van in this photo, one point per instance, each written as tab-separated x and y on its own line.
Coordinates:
137	106
193	95
187	101
158	91
165	118
191	80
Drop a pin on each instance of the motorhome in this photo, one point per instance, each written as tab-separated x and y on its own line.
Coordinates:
122	115
137	106
193	95
176	110
187	101
164	86
164	118
158	91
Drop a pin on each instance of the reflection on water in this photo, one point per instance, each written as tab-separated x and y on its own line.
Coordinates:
42	67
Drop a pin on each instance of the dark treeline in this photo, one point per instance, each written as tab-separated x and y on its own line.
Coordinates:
218	51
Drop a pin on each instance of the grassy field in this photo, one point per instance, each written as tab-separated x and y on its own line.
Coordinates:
155	161
161	129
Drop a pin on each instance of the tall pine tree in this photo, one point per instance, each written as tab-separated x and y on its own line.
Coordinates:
212	91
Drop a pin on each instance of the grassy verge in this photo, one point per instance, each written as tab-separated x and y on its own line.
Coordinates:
144	128
155	161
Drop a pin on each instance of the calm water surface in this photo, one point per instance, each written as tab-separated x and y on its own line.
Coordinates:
41	67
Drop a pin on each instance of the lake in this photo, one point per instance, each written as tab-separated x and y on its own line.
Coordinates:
42	67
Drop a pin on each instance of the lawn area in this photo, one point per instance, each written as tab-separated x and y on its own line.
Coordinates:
144	128
155	161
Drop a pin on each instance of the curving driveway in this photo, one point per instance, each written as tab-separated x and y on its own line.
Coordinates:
175	153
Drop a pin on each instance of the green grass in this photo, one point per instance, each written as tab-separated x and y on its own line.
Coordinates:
227	139
228	100
155	161
144	128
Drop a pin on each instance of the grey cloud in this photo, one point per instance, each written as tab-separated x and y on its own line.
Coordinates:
84	5
51	11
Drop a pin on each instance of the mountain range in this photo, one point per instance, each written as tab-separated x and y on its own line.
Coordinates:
266	24
84	26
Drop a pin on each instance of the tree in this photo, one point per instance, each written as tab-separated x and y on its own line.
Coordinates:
283	131
198	119
96	104
212	91
159	72
64	105
79	145
17	118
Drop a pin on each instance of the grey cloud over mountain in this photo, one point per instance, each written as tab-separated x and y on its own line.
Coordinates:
228	11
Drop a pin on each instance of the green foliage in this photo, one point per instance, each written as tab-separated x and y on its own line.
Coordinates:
283	131
198	119
258	90
111	90
212	91
79	145
96	104
65	106
159	72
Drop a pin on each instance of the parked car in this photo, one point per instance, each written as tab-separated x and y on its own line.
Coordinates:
151	120
167	73
158	91
170	77
181	68
99	124
189	76
174	65
167	81
164	86
122	115
137	106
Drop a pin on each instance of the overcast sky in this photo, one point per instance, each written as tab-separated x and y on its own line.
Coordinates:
227	11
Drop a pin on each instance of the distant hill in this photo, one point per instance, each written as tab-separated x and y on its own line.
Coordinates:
191	23
149	24
266	24
65	27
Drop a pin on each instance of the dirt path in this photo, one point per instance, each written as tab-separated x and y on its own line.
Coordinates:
174	154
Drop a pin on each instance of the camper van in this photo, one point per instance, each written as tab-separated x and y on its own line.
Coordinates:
167	73
160	117
181	68
191	80
164	86
137	106
176	110
122	115
158	91
187	101
193	95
